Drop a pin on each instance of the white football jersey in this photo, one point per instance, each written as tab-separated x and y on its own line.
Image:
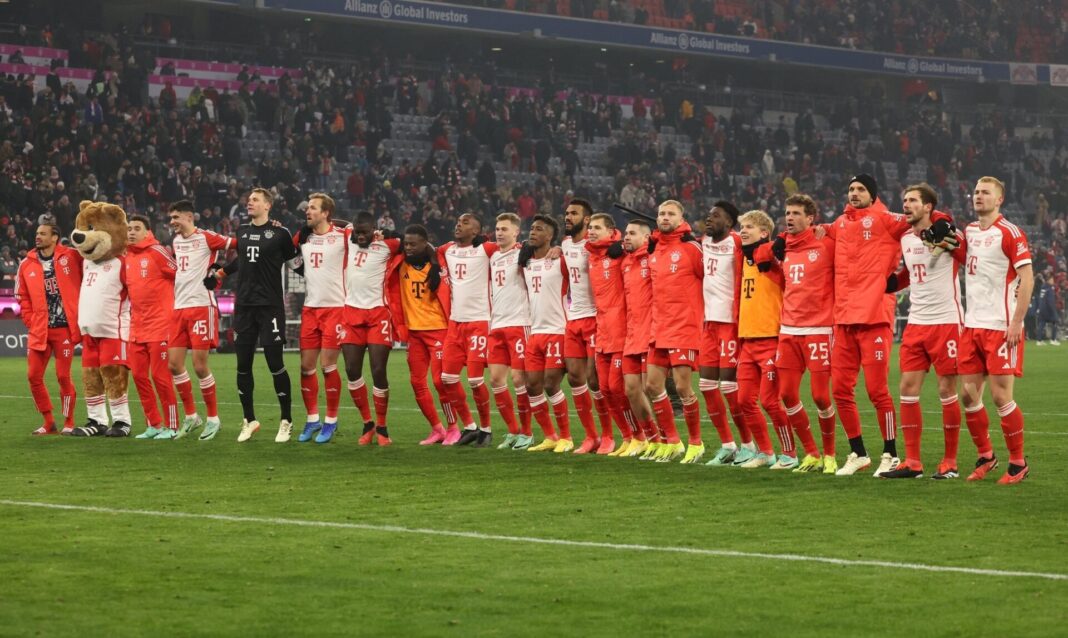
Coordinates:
469	279
508	294
934	288
577	260
103	307
194	255
990	278
365	273
324	269
719	281
546	287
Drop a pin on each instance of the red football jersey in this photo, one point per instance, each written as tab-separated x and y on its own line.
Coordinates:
606	281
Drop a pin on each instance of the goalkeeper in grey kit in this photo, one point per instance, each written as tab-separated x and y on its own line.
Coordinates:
263	248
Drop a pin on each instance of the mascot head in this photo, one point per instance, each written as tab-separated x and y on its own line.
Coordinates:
99	231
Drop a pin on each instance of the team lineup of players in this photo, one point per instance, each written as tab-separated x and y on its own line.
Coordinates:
616	310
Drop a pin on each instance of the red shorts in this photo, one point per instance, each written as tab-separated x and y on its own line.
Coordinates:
671	358
321	328
756	357
719	345
425	352
857	345
103	351
506	347
922	346
362	327
580	338
984	351
465	345
798	352
196	328
544	352
633	364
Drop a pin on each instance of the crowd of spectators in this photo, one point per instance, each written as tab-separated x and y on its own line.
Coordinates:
973	29
335	123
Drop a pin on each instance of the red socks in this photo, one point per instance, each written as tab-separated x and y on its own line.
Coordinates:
522	400
185	392
979	427
604	412
912	429
665	418
504	405
716	411
381	406
426	405
358	392
584	408
730	395
332	383
563	421
827	434
480	393
1012	426
799	423
691	413
309	391
539	409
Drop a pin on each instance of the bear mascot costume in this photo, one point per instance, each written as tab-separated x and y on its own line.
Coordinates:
103	317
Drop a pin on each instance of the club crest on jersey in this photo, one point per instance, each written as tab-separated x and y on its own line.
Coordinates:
268	234
107	267
866	222
144	263
63	261
676	256
988	242
644	263
605	263
813	255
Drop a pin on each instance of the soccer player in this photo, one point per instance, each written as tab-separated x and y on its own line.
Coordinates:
508	328
425	310
195	320
932	335
547	281
677	267
606	282
638	293
759	309
263	248
867	250
580	341
323	251
467	262
807	327
368	321
998	283
150	271
47	288
721	248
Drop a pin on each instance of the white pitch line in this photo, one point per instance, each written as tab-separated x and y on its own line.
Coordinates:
863	411
665	549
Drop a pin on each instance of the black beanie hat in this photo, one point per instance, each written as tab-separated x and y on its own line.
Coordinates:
868	182
730	209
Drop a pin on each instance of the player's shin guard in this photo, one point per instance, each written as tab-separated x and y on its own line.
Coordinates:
563	420
332	385
799	423
691	414
730	395
283	388
912	429
951	418
979	428
522	401
358	392
480	393
309	392
604	411
539	409
584	408
381	398
503	398
1012	427
185	392
458	399
716	411
665	418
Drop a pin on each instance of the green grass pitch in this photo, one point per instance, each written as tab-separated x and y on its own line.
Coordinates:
223	562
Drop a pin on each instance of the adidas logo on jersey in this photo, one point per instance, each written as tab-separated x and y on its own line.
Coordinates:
1006	367
278	338
878	339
